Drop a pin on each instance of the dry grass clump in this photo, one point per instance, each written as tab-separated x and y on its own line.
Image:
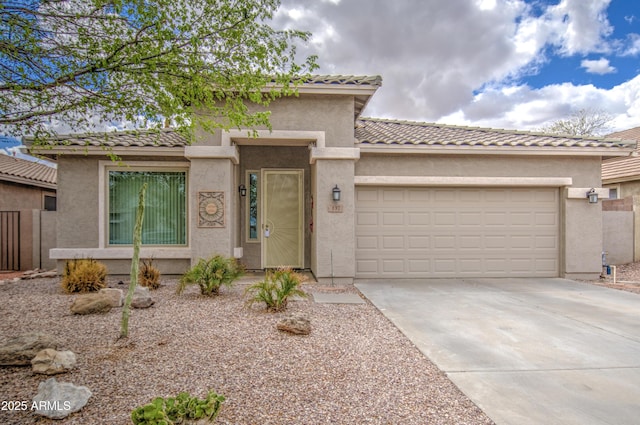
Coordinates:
83	275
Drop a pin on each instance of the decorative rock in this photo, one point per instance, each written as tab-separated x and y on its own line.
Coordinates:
19	351
97	302
38	273
295	324
57	400
115	295
51	362
141	298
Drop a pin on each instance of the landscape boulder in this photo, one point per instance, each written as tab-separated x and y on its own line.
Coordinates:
51	362
57	400
19	350
95	302
116	296
141	298
295	324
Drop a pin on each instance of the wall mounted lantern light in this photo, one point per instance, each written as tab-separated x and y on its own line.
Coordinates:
593	196
243	190
335	193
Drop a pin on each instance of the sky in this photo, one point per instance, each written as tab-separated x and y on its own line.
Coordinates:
512	64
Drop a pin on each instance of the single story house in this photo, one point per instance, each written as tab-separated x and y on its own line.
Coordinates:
27	213
342	196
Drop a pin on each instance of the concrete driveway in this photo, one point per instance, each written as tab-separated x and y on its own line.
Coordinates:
526	351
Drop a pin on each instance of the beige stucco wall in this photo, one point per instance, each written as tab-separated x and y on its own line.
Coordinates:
14	197
332	114
47	238
627	189
211	175
618	235
77	218
334	233
581	222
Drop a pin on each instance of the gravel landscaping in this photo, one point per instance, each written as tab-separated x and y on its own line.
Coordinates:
354	368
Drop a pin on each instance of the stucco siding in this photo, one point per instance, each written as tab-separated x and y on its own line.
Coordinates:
330	114
77	218
583	171
14	196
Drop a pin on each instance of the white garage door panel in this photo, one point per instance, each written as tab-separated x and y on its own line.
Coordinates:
455	232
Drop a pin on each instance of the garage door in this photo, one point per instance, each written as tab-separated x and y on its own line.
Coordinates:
456	232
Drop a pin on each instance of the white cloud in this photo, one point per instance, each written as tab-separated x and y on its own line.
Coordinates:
600	66
633	48
580	26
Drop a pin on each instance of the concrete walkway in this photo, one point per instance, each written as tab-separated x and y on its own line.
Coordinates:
526	351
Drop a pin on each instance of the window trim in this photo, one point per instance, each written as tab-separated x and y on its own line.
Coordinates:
103	196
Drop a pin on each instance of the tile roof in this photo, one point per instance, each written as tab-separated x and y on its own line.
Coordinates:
357	80
375	132
163	138
630	134
27	172
622	169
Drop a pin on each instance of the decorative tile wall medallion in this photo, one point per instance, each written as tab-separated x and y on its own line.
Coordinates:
210	209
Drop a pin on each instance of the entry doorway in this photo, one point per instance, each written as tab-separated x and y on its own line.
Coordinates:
282	210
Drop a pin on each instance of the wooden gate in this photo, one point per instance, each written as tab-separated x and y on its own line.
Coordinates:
9	240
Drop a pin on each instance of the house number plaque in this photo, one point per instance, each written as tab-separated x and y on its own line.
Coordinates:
210	209
335	208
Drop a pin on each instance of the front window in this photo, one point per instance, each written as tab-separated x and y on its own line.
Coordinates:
165	212
252	206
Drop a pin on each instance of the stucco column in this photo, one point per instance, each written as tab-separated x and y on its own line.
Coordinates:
333	239
211	172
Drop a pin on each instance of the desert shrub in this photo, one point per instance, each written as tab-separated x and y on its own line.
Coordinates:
211	274
149	275
177	410
276	288
83	275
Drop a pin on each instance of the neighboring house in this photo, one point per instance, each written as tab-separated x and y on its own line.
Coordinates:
622	213
416	200
622	175
26	233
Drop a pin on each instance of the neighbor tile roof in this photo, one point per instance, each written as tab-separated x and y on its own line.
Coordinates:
27	172
622	169
370	131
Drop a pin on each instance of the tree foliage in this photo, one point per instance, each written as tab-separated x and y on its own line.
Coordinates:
142	60
585	122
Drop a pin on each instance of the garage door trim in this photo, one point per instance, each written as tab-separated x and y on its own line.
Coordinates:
462	181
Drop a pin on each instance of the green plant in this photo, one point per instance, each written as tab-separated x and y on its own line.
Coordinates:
177	410
276	288
83	275
211	274
149	275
